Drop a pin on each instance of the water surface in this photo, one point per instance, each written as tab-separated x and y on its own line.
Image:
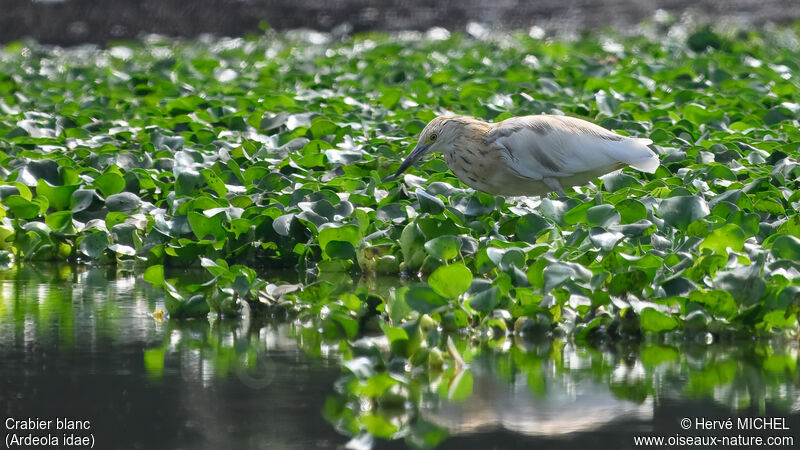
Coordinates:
81	343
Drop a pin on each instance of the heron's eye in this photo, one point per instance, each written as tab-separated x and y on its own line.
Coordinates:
433	137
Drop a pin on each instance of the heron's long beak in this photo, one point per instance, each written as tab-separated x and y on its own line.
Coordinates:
418	152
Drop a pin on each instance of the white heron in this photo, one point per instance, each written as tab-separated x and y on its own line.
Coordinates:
529	155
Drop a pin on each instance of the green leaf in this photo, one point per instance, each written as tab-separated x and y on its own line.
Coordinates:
654	321
203	226
21	207
450	281
321	126
577	214
59	221
769	205
529	226
631	210
429	203
110	182
394	334
443	247
94	244
744	283
124	202
787	247
424	299
155	275
727	236
602	215
339	232
340	250
377	425
59	197
486	300
196	306
82	199
412	245
680	211
632	281
717	302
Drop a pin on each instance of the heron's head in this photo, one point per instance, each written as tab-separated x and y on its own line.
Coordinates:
438	136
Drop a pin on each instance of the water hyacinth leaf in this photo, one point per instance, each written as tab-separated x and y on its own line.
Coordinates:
122	249
450	281
486	300
535	272
606	240
429	203
110	182
577	214
155	275
412	245
203	226
727	236
554	275
718	302
748	222
769	205
424	299
282	225
528	227
744	283
394	334
791	226
187	182
443	247
321	126
338	232
21	207
196	306
631	210
59	197
602	215
780	319
59	220
270	122
124	202
615	182
787	247
340	250
93	244
680	211
375	385
654	321
82	199
632	281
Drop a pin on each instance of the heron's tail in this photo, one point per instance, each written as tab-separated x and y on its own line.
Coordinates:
634	152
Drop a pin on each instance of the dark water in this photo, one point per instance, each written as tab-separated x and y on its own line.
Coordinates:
77	345
82	345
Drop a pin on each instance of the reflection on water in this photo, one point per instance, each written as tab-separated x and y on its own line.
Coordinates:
533	406
83	344
570	393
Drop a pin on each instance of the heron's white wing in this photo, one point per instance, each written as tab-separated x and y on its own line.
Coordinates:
545	146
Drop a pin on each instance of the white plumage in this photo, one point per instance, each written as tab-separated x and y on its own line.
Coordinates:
530	155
